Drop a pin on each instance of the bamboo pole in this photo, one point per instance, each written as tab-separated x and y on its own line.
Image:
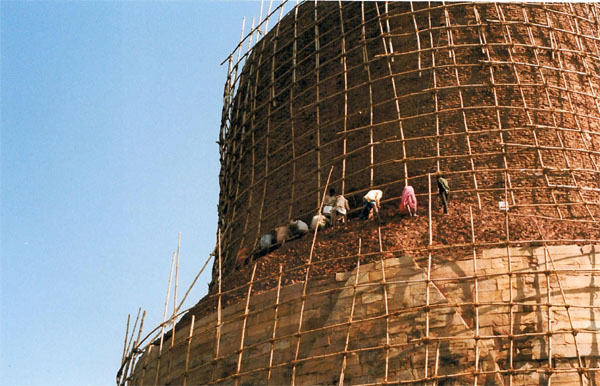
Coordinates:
452	55
219	302
130	348
162	328
136	350
243	333
344	65
387	311
393	80
305	285
318	101
275	319
508	38
187	355
365	55
475	297
125	342
484	42
292	121
347	342
414	19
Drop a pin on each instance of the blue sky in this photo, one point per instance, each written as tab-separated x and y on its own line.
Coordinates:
109	116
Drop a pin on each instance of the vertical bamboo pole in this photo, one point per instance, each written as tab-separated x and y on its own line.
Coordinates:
236	147
292	115
243	334
305	285
486	51
130	348
414	19
219	300
162	328
387	311
475	297
187	355
508	40
344	64
318	101
427	283
274	336
435	90
350	317
510	292
389	60
452	54
136	346
174	308
549	314
366	62
125	342
144	369
580	364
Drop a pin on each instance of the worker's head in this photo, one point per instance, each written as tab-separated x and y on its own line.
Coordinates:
332	192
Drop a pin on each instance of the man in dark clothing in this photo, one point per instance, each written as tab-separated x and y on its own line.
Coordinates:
443	189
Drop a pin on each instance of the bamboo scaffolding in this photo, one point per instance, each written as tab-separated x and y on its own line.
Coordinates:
253	118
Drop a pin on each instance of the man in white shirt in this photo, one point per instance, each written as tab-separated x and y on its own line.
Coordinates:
371	200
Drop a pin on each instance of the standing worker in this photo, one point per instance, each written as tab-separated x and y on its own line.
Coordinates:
329	203
443	189
371	200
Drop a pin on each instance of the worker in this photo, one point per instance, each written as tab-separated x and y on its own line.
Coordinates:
281	233
242	257
340	210
408	201
318	221
444	190
298	228
329	203
371	201
266	242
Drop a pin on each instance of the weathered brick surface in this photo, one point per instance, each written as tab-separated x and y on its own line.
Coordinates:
450	319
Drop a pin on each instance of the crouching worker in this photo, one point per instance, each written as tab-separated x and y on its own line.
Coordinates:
266	244
318	221
340	210
371	201
298	228
408	201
